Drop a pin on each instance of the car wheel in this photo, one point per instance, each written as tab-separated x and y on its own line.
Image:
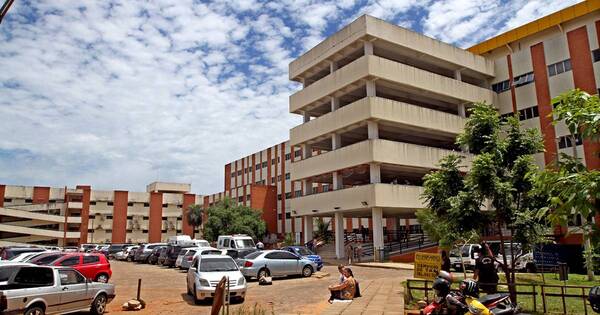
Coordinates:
262	273
187	286
307	271
196	301
102	278
35	310
99	305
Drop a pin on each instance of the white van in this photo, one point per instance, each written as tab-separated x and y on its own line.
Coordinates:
468	256
237	241
179	240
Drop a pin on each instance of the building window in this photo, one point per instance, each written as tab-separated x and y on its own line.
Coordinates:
110	203
559	67
146	204
144	231
272	180
287	175
325	187
7	200
264	164
278	178
257	167
528	113
272	161
596	55
279	197
90	231
91	216
28	200
297	153
504	117
233	175
501	86
565	141
92	203
523	79
179	206
145	218
288	215
164	218
288	156
109	217
108	231
240	198
298	193
288	195
128	231
130	204
315	190
163	231
239	173
129	217
178	231
248	197
179	219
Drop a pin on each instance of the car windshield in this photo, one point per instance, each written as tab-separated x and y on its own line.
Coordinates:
252	255
465	252
244	243
304	251
217	264
43	260
211	252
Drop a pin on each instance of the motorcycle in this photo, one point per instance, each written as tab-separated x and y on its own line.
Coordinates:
454	303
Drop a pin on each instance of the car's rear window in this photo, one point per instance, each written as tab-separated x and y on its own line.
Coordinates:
211	252
43	260
190	252
253	255
91	259
7	271
35	276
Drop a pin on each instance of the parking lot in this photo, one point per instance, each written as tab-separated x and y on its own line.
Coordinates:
164	290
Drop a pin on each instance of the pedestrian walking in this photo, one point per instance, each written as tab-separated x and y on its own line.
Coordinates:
445	261
349	253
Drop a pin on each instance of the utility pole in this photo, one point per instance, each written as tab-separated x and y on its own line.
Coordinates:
5	8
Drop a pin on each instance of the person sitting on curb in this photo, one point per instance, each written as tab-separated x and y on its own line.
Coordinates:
345	290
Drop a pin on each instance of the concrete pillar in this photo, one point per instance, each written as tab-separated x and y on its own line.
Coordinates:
339	235
307	186
337	181
462	112
335	103
368	48
373	129
336	141
332	66
306	151
303	81
375	173
308	228
377	215
371	90
306	116
457	75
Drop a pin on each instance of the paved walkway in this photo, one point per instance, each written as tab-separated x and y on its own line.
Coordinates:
378	297
386	265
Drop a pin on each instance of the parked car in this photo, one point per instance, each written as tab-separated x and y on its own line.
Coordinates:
172	253
9	252
87	247
93	266
186	256
23	257
276	263
205	273
36	290
303	251
131	253
142	254
70	249
46	258
123	254
115	248
468	255
237	246
153	257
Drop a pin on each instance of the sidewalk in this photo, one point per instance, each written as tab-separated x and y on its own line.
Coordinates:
378	297
386	265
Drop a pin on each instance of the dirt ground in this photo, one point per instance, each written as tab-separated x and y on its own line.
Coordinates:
164	290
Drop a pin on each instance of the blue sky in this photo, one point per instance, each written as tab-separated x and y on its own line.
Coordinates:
117	94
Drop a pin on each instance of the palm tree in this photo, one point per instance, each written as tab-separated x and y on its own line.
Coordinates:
194	216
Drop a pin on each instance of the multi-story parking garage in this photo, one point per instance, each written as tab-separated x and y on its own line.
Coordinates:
383	104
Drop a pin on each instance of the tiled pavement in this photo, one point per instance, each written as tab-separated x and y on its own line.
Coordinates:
378	297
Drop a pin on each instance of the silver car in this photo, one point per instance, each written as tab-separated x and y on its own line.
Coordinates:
187	255
276	263
206	272
37	290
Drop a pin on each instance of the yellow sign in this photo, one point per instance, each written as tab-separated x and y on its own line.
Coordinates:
427	265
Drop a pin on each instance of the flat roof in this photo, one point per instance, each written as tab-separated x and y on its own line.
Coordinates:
543	23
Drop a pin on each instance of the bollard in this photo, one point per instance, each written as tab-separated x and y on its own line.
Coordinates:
139	288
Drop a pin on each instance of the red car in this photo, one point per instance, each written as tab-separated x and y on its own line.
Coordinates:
92	266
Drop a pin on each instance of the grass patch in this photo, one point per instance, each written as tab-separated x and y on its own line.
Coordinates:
526	301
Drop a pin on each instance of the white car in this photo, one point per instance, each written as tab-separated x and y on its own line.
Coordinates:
122	255
206	272
27	256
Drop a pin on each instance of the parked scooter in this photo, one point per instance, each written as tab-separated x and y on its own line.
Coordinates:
449	303
595	298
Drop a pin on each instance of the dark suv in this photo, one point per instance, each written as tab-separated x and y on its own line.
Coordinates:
115	248
153	257
171	254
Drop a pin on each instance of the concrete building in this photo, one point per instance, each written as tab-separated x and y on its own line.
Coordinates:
65	216
382	104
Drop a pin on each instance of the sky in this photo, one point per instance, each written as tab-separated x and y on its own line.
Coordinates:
117	94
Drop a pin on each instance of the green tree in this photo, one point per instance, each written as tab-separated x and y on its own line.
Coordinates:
227	217
572	188
194	215
496	194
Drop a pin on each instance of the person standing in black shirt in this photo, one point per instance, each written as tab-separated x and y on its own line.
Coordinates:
445	261
485	271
